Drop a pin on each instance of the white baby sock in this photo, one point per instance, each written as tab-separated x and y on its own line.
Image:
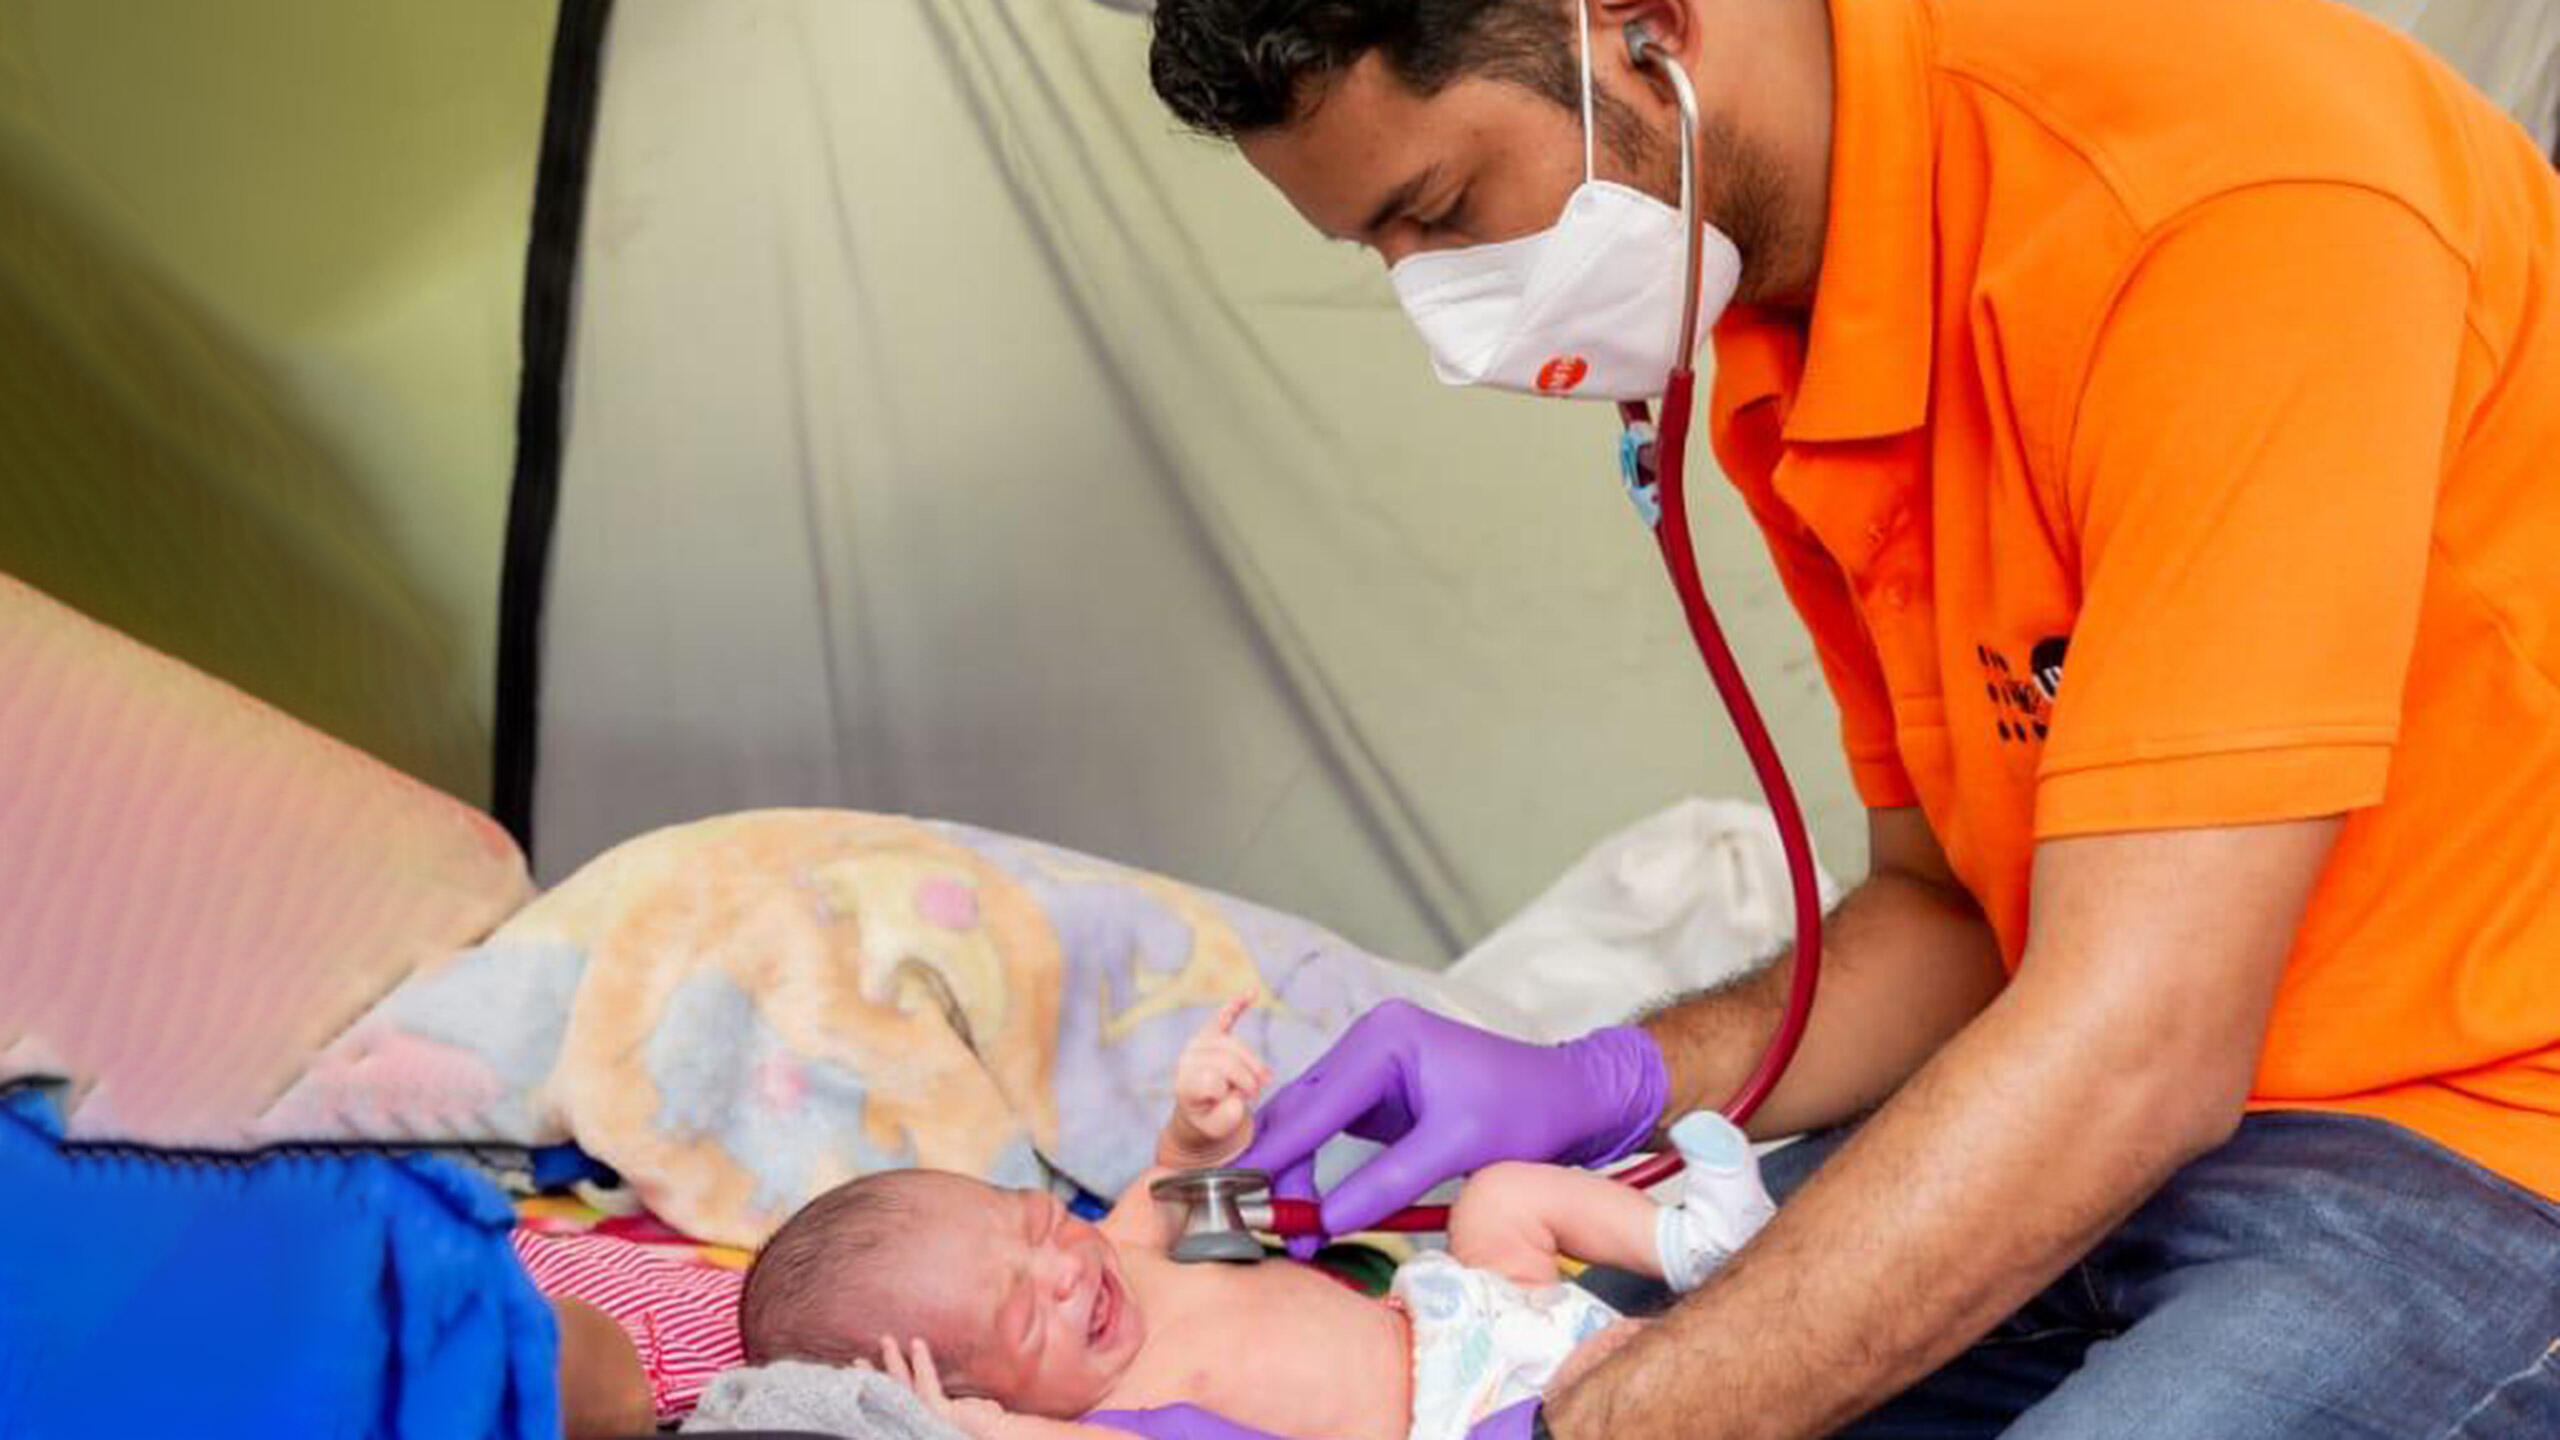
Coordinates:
1721	1203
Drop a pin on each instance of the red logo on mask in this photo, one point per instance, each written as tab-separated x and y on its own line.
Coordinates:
1559	375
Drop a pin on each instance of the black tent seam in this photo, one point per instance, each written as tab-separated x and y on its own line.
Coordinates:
533	500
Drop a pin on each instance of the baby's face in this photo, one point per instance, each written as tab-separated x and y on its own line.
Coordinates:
1039	1316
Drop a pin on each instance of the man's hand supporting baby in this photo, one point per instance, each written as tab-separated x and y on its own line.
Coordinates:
912	1365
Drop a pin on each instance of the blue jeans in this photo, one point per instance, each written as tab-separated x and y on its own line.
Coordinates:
2318	1276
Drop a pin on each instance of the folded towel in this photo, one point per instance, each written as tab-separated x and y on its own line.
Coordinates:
796	1395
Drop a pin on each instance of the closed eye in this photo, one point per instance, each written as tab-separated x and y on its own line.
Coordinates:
1452	216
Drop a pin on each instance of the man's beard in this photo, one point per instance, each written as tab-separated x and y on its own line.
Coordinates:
1741	189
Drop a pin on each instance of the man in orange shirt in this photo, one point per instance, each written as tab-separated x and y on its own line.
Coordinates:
2153	411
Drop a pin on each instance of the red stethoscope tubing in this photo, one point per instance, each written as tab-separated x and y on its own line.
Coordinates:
1680	558
1668	467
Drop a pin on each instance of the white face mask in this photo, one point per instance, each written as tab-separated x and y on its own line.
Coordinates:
1588	307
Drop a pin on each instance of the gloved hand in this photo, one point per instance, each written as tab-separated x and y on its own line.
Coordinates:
1190	1422
1447	1098
1178	1422
1512	1422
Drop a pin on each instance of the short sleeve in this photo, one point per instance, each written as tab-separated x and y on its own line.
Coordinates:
2252	467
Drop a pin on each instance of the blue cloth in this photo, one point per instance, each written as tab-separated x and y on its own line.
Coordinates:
2319	1275
319	1295
557	1167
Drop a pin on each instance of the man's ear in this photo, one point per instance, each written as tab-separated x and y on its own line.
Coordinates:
1673	22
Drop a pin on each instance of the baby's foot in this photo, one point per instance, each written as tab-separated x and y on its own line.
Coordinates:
1722	1203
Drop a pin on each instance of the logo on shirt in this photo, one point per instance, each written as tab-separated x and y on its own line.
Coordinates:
2022	703
1559	375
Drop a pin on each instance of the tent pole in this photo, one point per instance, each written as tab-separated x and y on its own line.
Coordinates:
533	502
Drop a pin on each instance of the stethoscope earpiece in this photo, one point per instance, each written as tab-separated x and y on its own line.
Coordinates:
1642	48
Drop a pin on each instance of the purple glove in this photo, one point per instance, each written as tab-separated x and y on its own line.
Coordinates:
1190	1422
1515	1422
1447	1098
1180	1422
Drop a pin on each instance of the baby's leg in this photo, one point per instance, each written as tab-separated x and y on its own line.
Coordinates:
1516	1219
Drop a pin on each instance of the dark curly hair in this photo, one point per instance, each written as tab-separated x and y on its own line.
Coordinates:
1231	67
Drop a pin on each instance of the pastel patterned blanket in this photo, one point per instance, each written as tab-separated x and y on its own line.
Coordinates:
741	1012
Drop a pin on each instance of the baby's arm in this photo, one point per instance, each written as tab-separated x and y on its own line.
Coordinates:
1215	1083
1516	1220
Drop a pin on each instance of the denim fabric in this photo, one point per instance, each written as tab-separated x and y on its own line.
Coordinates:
2318	1276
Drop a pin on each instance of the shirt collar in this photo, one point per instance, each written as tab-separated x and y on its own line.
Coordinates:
1865	358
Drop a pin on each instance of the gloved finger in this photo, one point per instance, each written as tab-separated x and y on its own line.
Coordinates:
1298	1182
1344	1084
1514	1422
1176	1422
1396	1176
1385	1122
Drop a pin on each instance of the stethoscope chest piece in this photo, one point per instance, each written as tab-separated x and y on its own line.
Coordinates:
1213	1212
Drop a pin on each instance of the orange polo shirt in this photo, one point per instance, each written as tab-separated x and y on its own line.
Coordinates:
2214	346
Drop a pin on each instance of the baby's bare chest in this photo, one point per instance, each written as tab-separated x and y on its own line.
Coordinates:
1274	1346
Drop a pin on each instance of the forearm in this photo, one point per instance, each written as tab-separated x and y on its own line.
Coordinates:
2000	1163
1517	1220
1905	964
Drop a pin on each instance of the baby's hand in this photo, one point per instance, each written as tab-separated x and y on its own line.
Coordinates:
1214	1086
913	1367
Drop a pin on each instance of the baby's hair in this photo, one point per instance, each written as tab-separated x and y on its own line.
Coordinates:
815	1291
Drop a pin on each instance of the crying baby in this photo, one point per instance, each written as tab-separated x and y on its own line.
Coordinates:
1013	1317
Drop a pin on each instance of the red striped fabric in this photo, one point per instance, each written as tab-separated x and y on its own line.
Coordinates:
681	1313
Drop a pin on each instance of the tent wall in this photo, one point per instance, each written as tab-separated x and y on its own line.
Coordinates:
1048	475
258	320
947	434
